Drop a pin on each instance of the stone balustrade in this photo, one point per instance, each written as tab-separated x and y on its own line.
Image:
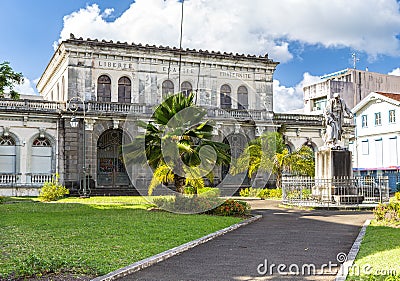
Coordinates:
142	109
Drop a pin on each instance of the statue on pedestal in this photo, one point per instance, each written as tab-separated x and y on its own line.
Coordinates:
335	112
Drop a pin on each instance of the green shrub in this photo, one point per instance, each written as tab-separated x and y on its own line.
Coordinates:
52	190
2	199
306	193
275	193
187	204
189	190
232	208
397	196
249	192
388	213
264	193
203	191
209	192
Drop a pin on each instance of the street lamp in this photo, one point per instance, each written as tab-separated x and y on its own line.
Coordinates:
73	106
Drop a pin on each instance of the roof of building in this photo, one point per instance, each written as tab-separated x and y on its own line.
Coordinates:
374	96
147	47
393	96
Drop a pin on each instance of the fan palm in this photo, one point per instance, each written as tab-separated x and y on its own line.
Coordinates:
268	153
178	145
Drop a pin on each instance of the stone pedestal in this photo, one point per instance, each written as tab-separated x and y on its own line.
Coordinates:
331	164
334	177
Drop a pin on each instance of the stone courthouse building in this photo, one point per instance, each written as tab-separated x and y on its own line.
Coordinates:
100	83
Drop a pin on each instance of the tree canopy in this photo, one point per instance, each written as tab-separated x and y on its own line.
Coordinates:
8	79
268	153
178	145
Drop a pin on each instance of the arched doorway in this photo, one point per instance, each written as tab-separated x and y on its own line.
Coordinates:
237	143
111	170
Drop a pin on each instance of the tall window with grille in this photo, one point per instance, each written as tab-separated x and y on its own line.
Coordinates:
392	116
378	119
104	88
243	99
186	88
124	90
167	88
225	97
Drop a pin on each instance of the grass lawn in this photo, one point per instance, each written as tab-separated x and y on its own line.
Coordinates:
380	253
93	238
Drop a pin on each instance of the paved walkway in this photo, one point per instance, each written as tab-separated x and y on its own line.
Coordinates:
282	236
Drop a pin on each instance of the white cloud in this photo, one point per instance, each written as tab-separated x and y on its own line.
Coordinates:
255	27
26	88
291	98
395	71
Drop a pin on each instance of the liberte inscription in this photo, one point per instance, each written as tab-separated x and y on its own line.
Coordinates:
119	65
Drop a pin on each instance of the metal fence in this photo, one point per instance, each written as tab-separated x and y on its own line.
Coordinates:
308	191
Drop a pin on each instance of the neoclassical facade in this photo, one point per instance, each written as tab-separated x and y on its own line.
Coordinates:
102	84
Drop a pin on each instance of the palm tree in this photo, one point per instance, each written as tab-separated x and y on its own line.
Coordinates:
178	145
268	153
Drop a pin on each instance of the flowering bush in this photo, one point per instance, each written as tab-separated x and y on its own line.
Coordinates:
232	208
52	190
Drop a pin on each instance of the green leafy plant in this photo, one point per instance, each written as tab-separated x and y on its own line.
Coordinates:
52	190
397	196
2	199
275	193
388	213
203	191
187	204
249	192
8	79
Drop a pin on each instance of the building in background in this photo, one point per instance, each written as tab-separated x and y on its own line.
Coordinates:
376	145
352	84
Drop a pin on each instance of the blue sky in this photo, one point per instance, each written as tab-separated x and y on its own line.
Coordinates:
310	38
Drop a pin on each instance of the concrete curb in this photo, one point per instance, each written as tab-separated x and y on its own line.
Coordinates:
351	256
171	252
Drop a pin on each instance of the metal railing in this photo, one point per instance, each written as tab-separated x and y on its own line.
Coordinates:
308	191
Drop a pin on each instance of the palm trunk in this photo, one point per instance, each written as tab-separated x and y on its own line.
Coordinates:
179	183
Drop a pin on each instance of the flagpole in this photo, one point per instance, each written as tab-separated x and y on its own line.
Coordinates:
180	49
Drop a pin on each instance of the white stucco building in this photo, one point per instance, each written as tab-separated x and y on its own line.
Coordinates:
376	145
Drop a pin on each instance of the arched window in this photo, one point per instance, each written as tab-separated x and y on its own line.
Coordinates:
124	90
243	99
104	88
186	88
225	97
167	88
7	155
41	157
